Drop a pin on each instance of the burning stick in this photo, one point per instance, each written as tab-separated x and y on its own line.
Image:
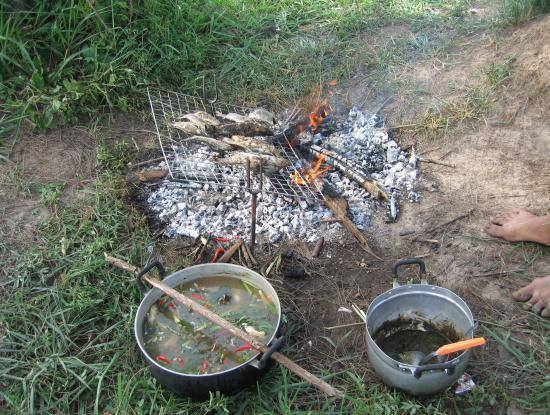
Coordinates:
235	331
339	208
343	165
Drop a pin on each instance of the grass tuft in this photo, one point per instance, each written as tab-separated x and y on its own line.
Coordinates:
514	12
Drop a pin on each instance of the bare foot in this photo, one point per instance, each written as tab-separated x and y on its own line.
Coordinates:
536	295
520	225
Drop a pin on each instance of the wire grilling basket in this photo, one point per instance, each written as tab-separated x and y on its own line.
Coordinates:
185	166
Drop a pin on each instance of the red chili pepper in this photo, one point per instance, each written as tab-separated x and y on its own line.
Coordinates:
160	302
170	305
204	366
217	253
225	361
163	359
243	348
197	296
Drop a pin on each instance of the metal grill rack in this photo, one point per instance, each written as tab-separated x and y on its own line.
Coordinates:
180	156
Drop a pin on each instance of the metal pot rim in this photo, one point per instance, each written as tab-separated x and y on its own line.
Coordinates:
428	289
156	292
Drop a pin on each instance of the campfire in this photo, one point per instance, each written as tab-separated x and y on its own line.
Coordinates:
223	160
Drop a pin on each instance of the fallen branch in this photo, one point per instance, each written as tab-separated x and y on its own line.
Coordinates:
235	331
339	207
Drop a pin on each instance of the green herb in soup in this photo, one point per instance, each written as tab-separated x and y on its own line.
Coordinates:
186	342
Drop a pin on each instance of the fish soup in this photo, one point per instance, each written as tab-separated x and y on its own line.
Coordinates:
186	342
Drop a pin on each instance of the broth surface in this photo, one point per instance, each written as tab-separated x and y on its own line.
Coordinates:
399	337
186	342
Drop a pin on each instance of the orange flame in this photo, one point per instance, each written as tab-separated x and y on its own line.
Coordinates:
311	174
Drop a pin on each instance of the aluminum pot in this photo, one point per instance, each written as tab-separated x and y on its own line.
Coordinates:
436	304
229	381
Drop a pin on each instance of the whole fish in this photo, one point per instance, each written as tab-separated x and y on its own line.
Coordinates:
233	117
252	144
270	164
201	117
189	128
214	144
259	114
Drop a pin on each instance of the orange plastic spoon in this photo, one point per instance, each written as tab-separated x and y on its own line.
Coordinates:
450	348
458	346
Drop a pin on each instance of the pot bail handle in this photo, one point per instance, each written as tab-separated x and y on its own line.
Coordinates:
145	270
273	347
409	261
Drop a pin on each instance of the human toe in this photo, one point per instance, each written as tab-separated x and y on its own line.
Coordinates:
546	311
538	307
523	294
495	230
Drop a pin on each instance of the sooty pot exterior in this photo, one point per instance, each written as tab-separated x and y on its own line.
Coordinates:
226	382
436	304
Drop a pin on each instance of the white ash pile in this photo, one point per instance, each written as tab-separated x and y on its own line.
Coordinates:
191	209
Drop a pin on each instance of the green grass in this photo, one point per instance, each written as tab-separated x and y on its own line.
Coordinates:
66	341
60	60
514	12
66	322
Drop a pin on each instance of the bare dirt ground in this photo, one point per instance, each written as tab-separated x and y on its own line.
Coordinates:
499	164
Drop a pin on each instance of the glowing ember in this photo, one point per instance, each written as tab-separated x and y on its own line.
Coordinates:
309	175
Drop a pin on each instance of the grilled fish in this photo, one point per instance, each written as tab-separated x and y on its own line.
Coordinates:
270	164
252	144
233	117
214	144
259	114
189	128
201	117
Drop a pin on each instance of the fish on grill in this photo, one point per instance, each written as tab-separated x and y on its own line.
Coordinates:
270	164
214	144
189	128
233	117
202	118
254	145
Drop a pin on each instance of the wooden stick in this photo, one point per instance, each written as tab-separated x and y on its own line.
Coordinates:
248	255
318	246
200	252
339	206
497	274
231	251
143	163
436	162
235	331
147	175
341	326
450	221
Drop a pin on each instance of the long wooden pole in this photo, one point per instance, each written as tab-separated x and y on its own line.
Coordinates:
213	317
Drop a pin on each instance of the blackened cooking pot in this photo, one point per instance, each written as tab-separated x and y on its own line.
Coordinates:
436	304
229	381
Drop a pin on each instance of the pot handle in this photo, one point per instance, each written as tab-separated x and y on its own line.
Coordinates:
145	270
417	371
449	368
409	261
273	347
